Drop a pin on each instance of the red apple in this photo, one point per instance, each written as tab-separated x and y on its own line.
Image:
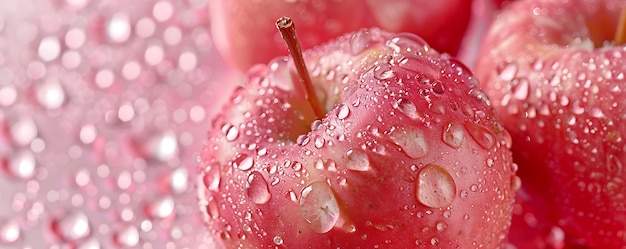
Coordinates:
402	151
241	33
556	79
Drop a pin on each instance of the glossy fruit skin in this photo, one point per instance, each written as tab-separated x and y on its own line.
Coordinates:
557	90
244	33
391	102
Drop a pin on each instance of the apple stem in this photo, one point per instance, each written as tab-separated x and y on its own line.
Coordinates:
288	32
620	33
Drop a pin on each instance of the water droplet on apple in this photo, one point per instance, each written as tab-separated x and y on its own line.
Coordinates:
343	112
357	160
383	72
278	240
74	226
507	71
161	208
412	141
359	42
211	178
407	107
481	134
258	190
244	162
9	231
127	237
319	207
435	187
453	134
20	165
231	132
516	183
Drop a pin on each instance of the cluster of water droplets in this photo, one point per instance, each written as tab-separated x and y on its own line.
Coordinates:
103	109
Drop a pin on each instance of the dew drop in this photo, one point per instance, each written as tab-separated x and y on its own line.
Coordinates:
412	141
343	113
21	165
211	178
72	227
383	72
441	226
127	237
319	142
435	187
278	240
453	134
9	231
319	207
357	160
162	146
407	107
521	89
359	42
507	72
258	190
244	162
118	28
481	134
516	183
161	208
231	132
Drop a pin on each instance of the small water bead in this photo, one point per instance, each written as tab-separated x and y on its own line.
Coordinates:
257	188
162	146
438	87
408	43
319	207
21	165
435	187
278	240
357	160
520	89
72	227
453	134
359	42
507	72
319	142
10	231
230	131
407	107
343	112
412	141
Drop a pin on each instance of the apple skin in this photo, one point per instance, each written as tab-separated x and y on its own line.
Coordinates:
243	33
558	91
409	154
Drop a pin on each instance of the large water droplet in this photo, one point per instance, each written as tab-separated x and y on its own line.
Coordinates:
72	227
407	107
453	134
412	141
319	207
258	190
383	72
9	231
435	187
21	165
481	134
357	160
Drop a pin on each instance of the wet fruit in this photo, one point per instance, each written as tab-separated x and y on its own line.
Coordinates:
555	73
243	37
394	146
